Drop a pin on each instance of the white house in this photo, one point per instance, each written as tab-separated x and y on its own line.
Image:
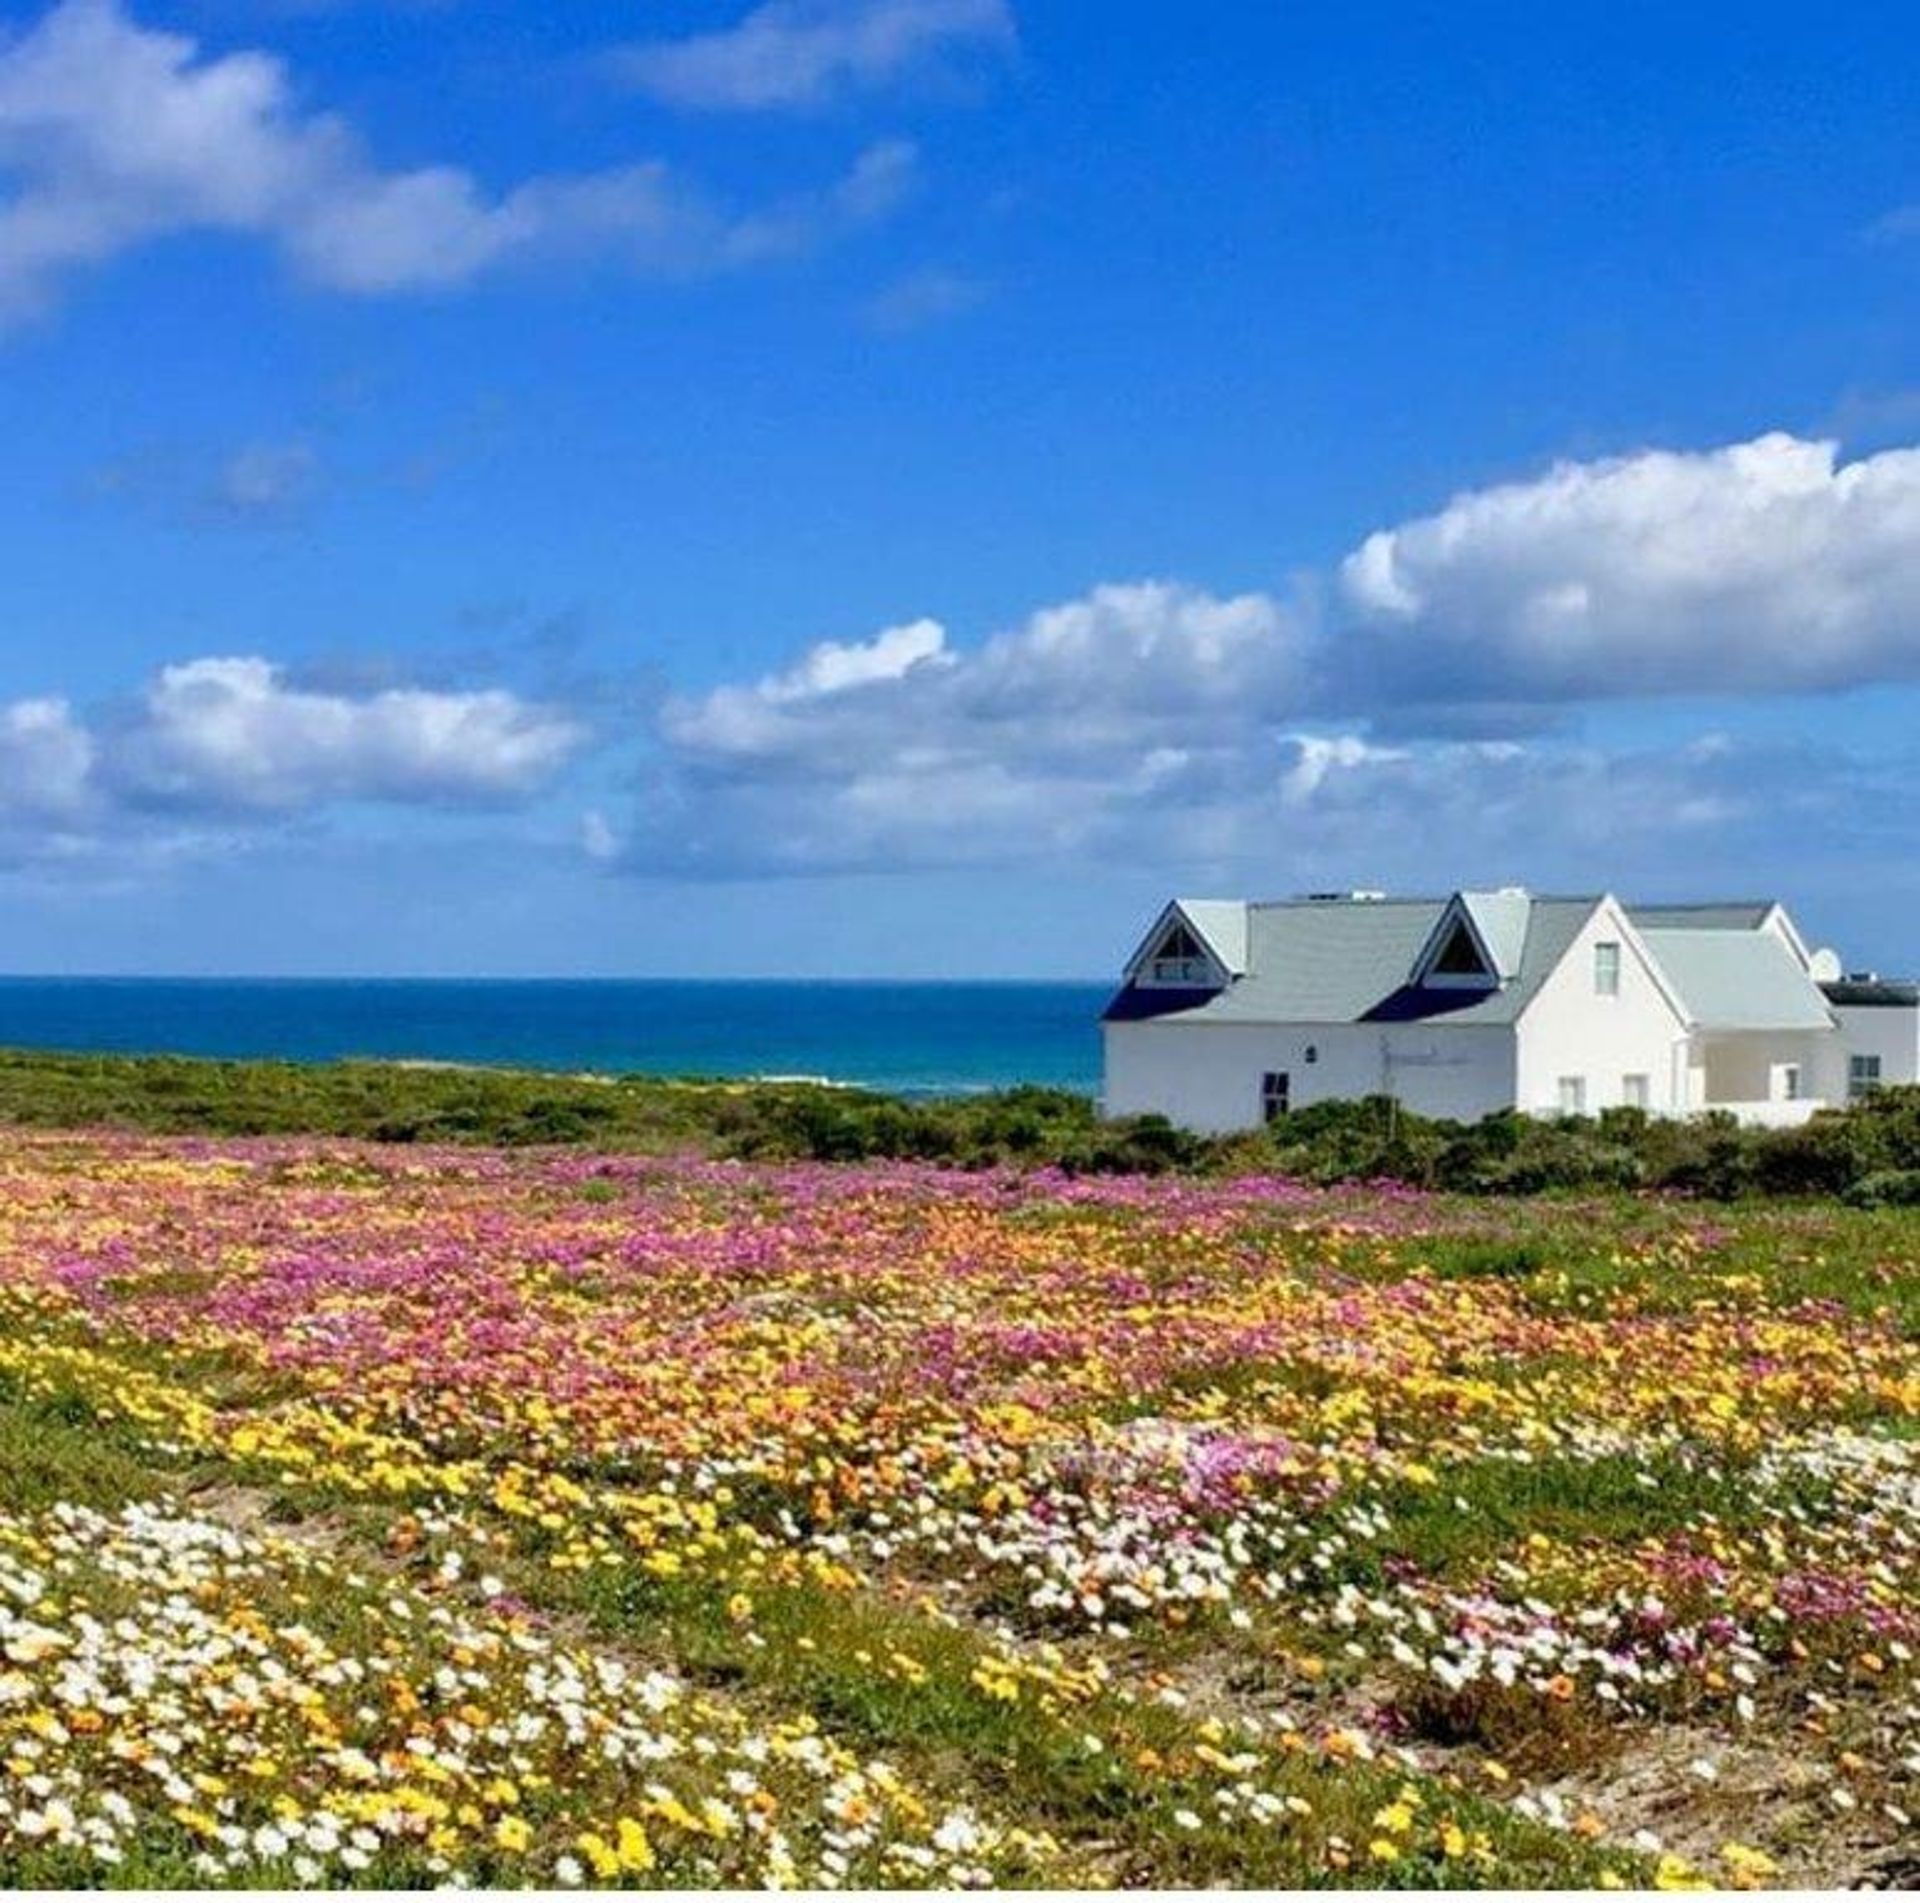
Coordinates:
1232	1012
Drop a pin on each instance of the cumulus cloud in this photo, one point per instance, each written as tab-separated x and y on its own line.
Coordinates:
765	782
235	735
1431	684
113	136
904	750
46	762
1765	567
804	53
226	742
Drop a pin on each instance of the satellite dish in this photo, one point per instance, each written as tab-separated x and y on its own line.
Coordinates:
1824	966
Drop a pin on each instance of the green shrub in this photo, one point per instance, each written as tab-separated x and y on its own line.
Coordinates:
1887	1189
1869	1150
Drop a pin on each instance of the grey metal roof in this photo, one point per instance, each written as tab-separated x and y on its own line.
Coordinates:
1735	980
1721	915
1351	961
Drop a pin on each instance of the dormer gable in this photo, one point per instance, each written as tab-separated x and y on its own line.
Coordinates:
1194	945
1460	953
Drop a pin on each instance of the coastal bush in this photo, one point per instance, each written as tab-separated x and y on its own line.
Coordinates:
1886	1189
1836	1153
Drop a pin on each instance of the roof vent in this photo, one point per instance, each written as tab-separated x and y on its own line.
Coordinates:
1345	898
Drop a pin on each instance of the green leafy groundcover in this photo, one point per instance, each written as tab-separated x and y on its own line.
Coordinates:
1868	1153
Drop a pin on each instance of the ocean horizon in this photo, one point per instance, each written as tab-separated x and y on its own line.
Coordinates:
914	1037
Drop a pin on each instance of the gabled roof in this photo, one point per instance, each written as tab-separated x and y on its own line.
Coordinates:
1501	919
1737	980
1219	924
1222	923
1311	961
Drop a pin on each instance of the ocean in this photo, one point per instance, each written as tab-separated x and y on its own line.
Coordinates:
916	1039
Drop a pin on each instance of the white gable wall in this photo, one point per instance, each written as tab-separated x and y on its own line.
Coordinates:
1570	1030
1207	1077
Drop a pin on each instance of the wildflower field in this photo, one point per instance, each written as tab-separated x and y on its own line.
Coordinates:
397	1515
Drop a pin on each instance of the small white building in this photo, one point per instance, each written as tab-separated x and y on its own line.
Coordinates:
1233	1012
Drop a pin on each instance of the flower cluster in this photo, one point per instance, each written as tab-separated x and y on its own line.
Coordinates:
280	1719
1481	1502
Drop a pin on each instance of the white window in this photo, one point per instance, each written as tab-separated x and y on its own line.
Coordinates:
1276	1094
1790	1082
1636	1090
1573	1096
1863	1074
1606	969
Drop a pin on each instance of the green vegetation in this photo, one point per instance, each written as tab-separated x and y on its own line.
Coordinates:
1869	1153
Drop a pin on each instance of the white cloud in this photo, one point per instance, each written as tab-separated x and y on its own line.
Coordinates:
46	762
1153	717
233	734
790	53
903	750
1150	663
1317	756
1766	567
222	744
114	136
916	771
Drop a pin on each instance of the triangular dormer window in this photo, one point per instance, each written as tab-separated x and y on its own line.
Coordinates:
1460	956
1178	958
1456	958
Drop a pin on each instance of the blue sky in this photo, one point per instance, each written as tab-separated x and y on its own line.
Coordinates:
900	486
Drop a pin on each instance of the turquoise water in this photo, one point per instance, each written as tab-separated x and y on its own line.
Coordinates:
921	1039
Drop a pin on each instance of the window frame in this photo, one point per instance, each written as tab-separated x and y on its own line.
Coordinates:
1865	1074
1276	1095
1578	1093
1606	959
1636	1090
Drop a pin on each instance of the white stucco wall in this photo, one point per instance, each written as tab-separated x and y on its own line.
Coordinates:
1570	1030
1889	1031
1743	1067
1206	1077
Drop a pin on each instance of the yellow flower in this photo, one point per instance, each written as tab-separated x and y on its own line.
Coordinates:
599	1853
512	1833
636	1849
1675	1873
